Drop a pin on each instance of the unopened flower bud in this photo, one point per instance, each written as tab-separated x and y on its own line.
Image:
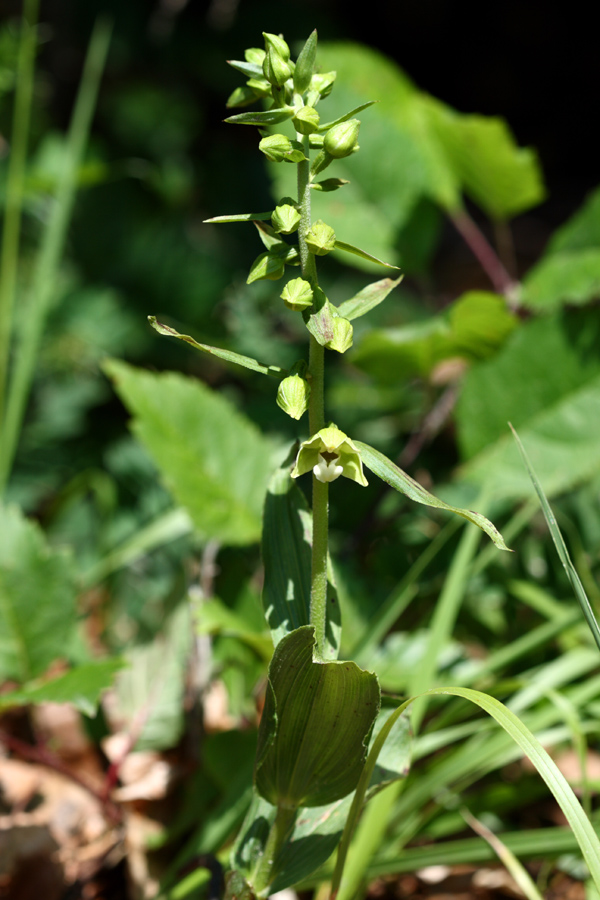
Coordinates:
321	86
292	396
285	219
320	239
276	42
297	294
266	266
341	140
275	65
330	453
342	335
279	148
306	120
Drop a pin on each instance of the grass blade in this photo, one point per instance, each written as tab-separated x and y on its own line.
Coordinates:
51	249
560	545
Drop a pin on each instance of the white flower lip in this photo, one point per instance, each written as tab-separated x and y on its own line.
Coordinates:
327	470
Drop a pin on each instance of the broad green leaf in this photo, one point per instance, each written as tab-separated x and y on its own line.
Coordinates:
581	231
241	217
313	735
393	760
316	834
286	550
370	296
356	251
501	177
474	327
385	469
546	381
153	684
81	686
567	277
214	617
226	355
37	598
262	118
212	458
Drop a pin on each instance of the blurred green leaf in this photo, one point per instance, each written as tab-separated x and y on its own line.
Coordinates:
81	686
393	761
501	177
368	298
472	328
314	730
151	688
37	598
546	381
212	458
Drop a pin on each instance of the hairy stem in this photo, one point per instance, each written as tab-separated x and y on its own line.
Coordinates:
316	416
281	830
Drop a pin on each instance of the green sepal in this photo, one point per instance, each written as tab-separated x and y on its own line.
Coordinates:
385	469
350	248
279	148
306	120
349	115
267	266
340	452
266	117
370	296
320	238
342	335
341	140
330	184
226	355
314	732
297	294
305	64
285	218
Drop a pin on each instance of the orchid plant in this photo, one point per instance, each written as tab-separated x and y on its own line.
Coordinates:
324	725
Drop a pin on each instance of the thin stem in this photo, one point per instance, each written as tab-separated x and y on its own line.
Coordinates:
316	416
484	252
50	253
281	830
14	186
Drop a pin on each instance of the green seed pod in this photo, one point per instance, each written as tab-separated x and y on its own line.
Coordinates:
292	396
341	140
297	294
306	120
266	266
342	335
285	219
321	238
330	453
279	148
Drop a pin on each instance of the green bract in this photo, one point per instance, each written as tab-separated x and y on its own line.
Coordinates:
279	148
330	453
297	294
320	239
285	219
268	266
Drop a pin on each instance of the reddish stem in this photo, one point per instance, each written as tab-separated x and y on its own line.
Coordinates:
484	253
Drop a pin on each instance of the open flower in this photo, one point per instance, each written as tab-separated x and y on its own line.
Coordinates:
330	453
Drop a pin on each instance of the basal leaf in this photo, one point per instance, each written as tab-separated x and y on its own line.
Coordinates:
212	458
567	277
313	735
226	355
385	469
37	598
